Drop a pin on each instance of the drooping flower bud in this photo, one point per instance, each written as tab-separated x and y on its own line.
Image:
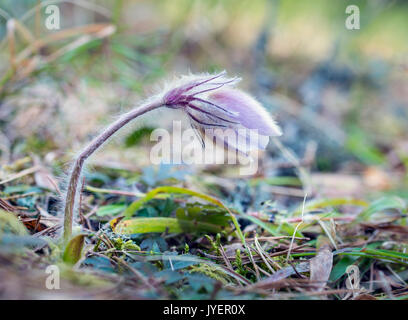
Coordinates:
211	102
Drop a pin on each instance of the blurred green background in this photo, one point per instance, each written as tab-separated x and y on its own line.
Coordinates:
340	95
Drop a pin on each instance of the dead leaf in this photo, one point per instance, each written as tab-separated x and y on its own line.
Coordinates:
365	296
321	266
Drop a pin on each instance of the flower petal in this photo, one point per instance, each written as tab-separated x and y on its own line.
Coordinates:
251	113
241	140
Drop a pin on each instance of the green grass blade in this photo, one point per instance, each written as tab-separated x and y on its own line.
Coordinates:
160	225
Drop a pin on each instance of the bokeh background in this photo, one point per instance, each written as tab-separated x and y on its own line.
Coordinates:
340	95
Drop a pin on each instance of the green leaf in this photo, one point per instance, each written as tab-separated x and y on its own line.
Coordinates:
171	225
340	268
168	191
110	210
386	255
73	250
176	190
204	213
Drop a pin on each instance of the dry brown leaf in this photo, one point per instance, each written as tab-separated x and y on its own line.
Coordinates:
321	266
365	296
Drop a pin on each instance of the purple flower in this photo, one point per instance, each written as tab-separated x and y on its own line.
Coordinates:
211	102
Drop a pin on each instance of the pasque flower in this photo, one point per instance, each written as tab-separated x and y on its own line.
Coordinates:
210	101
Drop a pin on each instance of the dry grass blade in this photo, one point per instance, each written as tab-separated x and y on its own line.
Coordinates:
228	263
87	30
12	44
331	233
20	174
23	65
24	31
6	206
263	255
104	32
251	257
226	260
296	228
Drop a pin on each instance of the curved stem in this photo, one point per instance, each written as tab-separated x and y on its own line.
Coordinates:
85	153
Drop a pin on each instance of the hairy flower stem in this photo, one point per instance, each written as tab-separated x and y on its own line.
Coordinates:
86	152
